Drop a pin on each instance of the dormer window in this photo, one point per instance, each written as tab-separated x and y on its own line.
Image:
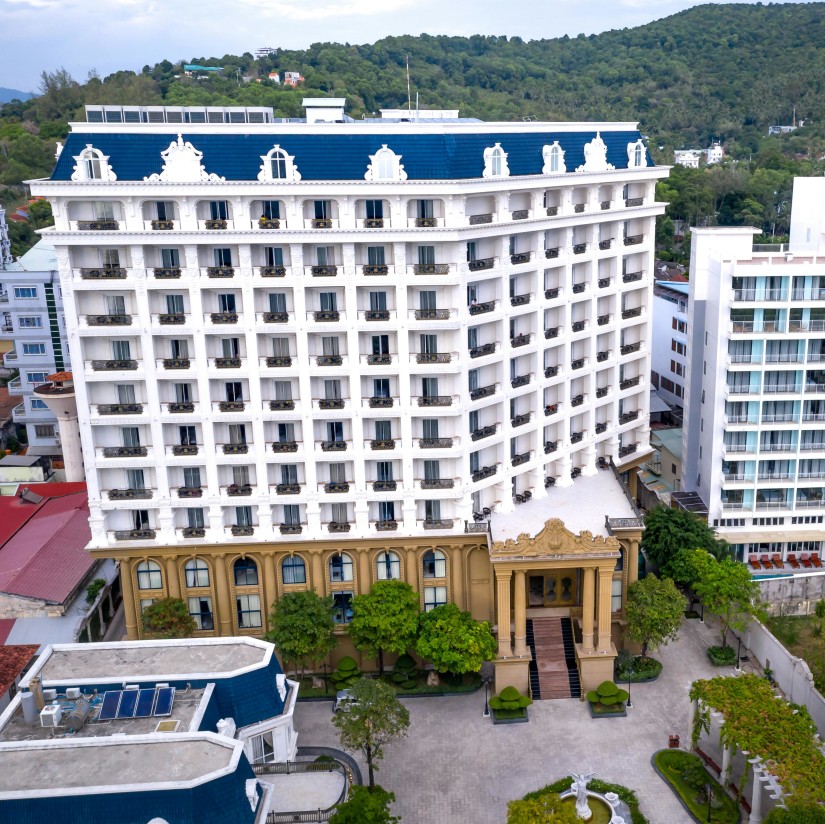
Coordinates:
495	162
385	165
92	164
636	155
278	165
553	159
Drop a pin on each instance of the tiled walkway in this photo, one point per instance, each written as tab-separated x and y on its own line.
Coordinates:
455	767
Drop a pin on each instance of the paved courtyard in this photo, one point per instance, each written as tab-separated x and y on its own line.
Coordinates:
455	767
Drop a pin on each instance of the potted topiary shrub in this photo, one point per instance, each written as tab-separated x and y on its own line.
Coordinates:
405	672
346	674
607	701
510	707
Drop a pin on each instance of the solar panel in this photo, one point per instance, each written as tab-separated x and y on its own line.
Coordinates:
145	703
127	704
111	701
165	699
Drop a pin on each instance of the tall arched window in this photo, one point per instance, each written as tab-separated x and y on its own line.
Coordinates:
277	161
386	165
555	157
388	566
197	573
294	570
340	568
435	564
246	573
495	162
278	165
149	575
640	155
91	165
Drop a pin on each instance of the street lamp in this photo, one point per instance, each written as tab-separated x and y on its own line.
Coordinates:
709	791
628	703
702	619
487	672
738	650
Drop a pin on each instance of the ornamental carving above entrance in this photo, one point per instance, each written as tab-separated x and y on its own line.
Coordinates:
554	542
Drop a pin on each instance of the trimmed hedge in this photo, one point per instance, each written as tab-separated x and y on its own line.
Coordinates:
639	669
510	699
608	695
722	656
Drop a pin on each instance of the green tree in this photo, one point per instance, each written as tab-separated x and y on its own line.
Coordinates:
548	809
375	719
728	591
654	611
366	806
302	627
454	641
168	618
385	620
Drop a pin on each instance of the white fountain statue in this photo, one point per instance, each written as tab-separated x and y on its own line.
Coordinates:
579	786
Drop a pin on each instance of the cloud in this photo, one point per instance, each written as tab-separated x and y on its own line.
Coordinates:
310	10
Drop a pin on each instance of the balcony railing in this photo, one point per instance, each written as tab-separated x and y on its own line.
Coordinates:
520	214
320	223
579	325
386	526
103	273
235	448
228	363
552	211
109	320
483	473
551	409
627	417
631	313
578	363
440	523
134	534
125	451
551	253
167	273
481	308
381	402
232	406
518	460
184	449
577	400
269	223
435	443
605	244
223	317
624	451
520	340
120	408
431	268
329	360
604	283
551	332
181	406
331	403
634	201
129	494
337	526
336	487
478	220
484	349
324	271
633	240
576	437
551	371
601	428
627	383
601	357
519	380
520	257
480	264
601	391
437	483
520	300
630	348
435	400
333	446
215	224
193	532
239	490
384	486
273	271
282	405
291	529
432	314
520	420
173	319
285	446
190	492
382	444
550	446
426	222
98	225
373	223
433	357
279	360
377	314
551	294
579	248
276	317
239	530
632	277
113	365
220	272
483	432
379	360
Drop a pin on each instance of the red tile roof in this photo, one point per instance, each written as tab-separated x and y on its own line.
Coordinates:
43	546
6	626
13	660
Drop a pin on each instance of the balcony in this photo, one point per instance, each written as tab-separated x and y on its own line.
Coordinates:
604	283
630	348
109	320
483	473
551	294
190	492
232	406
228	363
520	300
520	257
285	446
480	264
441	523
631	313
216	224
634	201
376	402
379	360
633	240
323	271
279	360
169	273
384	486
120	409
578	288
627	383
550	446
269	223
435	443
291	529
578	363
484	349
98	225
551	409
338	526
129	494
520	420
114	365
576	437
224	317
437	483
479	220
235	448
577	400
377	314
601	357
239	490
193	532
483	432
272	271
386	526
220	272
605	244
181	406
431	268
282	405
103	273
331	403
817	388
518	460
632	277
481	308
184	449
329	360
579	325
519	340
627	417
773	388
519	381
601	391
382	444
336	487
174	319
601	428
552	332
134	534
433	357
551	253
435	400
812	446
333	446
777	447
125	451
275	317
624	451
520	214
432	314
551	371
240	531
320	223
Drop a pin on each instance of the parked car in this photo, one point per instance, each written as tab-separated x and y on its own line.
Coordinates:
343	700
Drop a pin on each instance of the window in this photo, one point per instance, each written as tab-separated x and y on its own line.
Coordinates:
25	292
616	595
340	568
680	326
432	510
322	209
294	570
170	258
292	515
192	478
201	611
194	518
385	165
249	611
121	350
130	435
277	302
149	575
553	161
383	430
375	254
386	511
196	571
246	571
140	519
277	167
44	431
341	607
388	566
30	322
434	597
135	479
277	164
91	165
274	256
434	564
495	162
234	391
375	211
36	403
429	428
222	257
218	210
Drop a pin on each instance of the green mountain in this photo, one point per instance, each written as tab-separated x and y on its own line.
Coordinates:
13	94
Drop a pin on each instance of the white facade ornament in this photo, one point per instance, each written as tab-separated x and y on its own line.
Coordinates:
182	164
226	727
385	165
277	165
553	159
595	156
58	150
495	162
91	164
636	155
280	683
252	792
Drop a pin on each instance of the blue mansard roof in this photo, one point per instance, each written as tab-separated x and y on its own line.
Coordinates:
345	156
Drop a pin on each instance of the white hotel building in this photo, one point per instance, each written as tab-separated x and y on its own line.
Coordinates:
754	448
288	330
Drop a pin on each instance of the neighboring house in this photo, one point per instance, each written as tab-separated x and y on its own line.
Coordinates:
7	429
293	78
670	337
415	339
715	153
274	77
754	450
661	475
195	70
148	731
687	157
14	661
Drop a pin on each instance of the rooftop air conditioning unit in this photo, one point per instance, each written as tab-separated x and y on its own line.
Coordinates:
51	715
73	693
49	695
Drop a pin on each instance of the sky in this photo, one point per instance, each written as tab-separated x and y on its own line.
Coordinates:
109	35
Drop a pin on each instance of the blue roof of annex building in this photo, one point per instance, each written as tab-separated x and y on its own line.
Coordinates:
456	154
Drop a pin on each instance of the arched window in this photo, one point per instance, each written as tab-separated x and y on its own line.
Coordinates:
91	165
294	570
385	164
149	575
553	159
640	155
278	165
246	573
197	573
388	566
340	568
636	154
277	161
495	162
435	564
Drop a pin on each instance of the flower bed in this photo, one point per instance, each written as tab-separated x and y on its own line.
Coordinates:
639	670
607	701
597	786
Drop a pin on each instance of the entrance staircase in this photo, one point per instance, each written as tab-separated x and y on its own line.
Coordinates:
553	672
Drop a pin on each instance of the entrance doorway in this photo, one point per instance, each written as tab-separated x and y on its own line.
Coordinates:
556	588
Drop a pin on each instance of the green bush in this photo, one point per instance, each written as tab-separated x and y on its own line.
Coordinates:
346	673
637	668
607	694
625	794
722	656
510	699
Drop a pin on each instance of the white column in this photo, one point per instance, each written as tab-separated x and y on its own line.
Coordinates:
756	799
727	752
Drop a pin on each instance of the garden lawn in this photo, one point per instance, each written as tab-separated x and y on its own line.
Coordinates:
799	635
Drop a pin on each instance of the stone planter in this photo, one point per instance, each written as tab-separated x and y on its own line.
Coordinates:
522	719
621	712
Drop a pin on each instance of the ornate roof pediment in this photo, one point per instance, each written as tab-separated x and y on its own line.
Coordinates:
555	541
182	164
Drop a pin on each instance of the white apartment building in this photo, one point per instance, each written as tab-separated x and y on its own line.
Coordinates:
291	330
31	305
669	355
755	400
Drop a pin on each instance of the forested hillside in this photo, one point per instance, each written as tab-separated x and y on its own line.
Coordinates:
716	71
